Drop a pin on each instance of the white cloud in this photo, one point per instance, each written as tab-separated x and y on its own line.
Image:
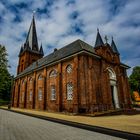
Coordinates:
54	29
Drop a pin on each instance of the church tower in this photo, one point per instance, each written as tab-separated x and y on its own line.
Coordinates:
30	51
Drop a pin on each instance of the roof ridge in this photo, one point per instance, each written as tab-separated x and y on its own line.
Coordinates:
66	51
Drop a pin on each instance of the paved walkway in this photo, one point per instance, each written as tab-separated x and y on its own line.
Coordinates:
127	123
14	126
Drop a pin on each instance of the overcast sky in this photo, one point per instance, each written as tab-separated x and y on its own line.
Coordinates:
59	22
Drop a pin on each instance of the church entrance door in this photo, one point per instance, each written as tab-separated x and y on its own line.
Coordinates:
113	86
114	95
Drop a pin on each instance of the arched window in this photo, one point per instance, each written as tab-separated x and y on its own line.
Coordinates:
40	77
69	68
69	91
53	73
30	80
40	94
23	82
53	92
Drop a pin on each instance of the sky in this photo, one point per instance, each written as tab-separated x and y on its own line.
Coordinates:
59	22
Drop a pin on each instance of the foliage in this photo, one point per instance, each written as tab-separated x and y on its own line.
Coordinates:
134	79
5	77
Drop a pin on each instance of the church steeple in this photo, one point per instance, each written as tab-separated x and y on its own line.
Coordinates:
30	51
99	41
113	46
31	39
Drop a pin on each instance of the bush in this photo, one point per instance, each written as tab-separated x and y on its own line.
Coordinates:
2	102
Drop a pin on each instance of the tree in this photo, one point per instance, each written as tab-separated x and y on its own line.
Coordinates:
134	79
5	77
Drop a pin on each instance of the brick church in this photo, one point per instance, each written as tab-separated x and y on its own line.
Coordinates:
76	78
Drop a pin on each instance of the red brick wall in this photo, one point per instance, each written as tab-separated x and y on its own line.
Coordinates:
90	79
26	59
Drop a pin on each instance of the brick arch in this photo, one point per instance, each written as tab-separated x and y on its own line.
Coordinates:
30	78
40	76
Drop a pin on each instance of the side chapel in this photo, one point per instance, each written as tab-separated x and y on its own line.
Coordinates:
76	78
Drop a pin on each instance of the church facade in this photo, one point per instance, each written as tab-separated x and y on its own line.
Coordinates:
76	78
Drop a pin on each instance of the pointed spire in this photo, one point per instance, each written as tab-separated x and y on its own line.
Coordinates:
41	50
27	46
99	41
32	36
21	50
113	46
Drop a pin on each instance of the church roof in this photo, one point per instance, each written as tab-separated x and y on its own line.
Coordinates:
99	41
70	49
113	46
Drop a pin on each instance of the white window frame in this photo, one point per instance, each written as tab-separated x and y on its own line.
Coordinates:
69	69
40	94
53	92
69	91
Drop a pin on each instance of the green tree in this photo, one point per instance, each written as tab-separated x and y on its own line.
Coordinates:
5	77
134	79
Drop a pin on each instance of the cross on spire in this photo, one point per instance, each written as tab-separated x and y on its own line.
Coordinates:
34	13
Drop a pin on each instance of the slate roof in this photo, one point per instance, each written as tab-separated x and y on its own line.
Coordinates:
66	51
